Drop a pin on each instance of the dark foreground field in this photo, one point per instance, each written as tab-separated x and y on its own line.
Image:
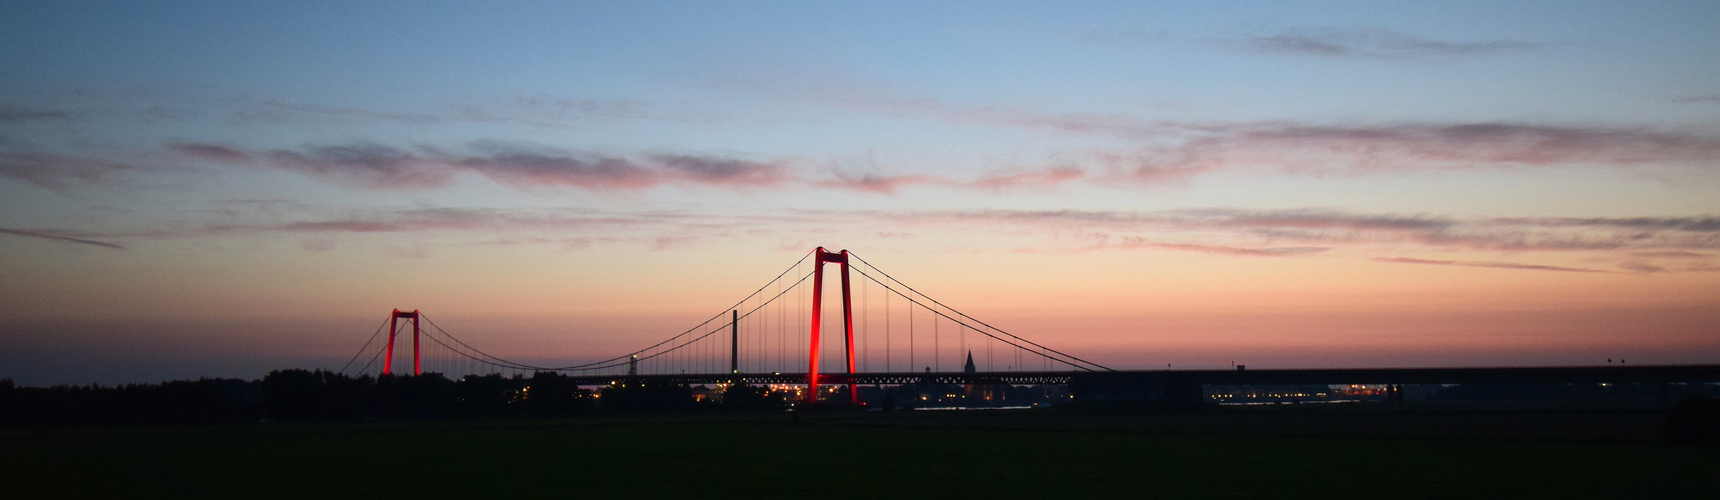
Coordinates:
900	455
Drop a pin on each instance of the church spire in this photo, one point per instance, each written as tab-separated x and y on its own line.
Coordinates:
969	368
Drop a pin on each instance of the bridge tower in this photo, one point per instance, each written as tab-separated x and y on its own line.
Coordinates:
393	326
824	256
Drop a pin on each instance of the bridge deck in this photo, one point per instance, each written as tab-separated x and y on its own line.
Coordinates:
1517	375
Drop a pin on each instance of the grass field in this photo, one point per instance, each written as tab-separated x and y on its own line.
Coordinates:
835	456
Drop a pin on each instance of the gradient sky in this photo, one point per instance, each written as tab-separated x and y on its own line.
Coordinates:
223	188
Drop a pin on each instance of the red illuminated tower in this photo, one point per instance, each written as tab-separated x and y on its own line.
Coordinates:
847	321
394	325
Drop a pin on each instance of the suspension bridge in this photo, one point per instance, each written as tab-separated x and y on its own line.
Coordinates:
774	336
898	335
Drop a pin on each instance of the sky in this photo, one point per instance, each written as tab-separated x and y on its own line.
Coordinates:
198	189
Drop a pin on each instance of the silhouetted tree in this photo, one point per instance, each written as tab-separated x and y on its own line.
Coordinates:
744	397
486	396
636	396
551	394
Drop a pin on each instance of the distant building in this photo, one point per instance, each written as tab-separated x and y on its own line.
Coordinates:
975	393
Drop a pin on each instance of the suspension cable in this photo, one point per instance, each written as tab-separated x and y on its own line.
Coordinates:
964	315
378	352
366	344
982	332
608	363
636	352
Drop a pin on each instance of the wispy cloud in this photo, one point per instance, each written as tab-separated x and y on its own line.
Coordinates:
1639	244
528	169
365	165
214	152
880	184
1373	43
54	171
1395	148
1153	172
1496	265
368	165
723	171
424	220
1315	219
1150	152
1641	240
377	166
1696	98
279	111
998	180
1225	250
1040	178
60	238
552	111
1215	218
1692	224
570	229
1156	151
1120	125
15	114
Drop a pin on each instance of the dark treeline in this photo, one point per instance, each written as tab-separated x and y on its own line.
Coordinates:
303	395
204	401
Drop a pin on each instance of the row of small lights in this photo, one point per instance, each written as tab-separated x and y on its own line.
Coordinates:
1297	395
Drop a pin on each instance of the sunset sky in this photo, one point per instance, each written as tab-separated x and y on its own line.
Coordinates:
224	188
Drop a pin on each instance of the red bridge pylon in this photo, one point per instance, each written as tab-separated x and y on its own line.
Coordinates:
847	321
393	326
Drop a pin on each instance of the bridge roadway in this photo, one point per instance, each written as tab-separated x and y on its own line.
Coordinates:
1012	378
1168	380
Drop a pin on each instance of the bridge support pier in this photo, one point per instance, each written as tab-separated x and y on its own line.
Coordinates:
823	256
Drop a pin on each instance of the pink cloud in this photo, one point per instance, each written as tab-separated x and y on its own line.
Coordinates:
881	184
364	165
56	172
1171	151
1047	177
723	171
213	152
53	236
534	170
1471	145
1226	250
1496	265
376	166
343	227
1666	243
